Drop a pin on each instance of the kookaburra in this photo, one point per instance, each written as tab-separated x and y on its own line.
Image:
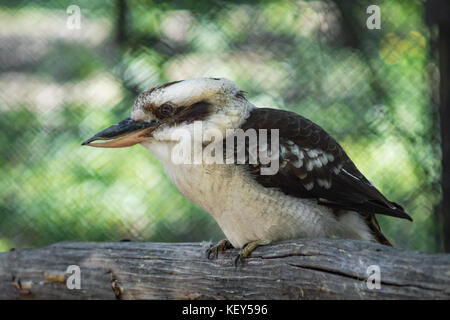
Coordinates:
317	190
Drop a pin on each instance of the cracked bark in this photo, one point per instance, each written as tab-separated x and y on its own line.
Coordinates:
299	269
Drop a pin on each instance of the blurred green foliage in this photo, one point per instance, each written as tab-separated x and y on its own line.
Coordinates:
368	88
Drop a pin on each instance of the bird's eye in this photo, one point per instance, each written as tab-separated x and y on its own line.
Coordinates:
166	110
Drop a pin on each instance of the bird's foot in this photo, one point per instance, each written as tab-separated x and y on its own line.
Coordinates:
248	249
221	246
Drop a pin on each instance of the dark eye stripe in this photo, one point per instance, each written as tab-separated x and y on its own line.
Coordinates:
197	111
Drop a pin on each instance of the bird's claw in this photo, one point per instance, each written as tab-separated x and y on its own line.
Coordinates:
247	250
243	253
239	259
221	246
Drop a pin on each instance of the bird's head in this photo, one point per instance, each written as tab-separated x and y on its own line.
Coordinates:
157	112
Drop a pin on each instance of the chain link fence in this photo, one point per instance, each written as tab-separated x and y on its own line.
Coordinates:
372	89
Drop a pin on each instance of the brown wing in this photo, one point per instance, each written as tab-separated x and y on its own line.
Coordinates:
314	165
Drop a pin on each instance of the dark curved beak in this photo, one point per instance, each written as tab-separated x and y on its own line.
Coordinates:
126	133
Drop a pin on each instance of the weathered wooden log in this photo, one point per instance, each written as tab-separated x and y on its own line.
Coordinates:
299	269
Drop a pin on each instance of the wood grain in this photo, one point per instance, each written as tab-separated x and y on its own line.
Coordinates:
299	269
